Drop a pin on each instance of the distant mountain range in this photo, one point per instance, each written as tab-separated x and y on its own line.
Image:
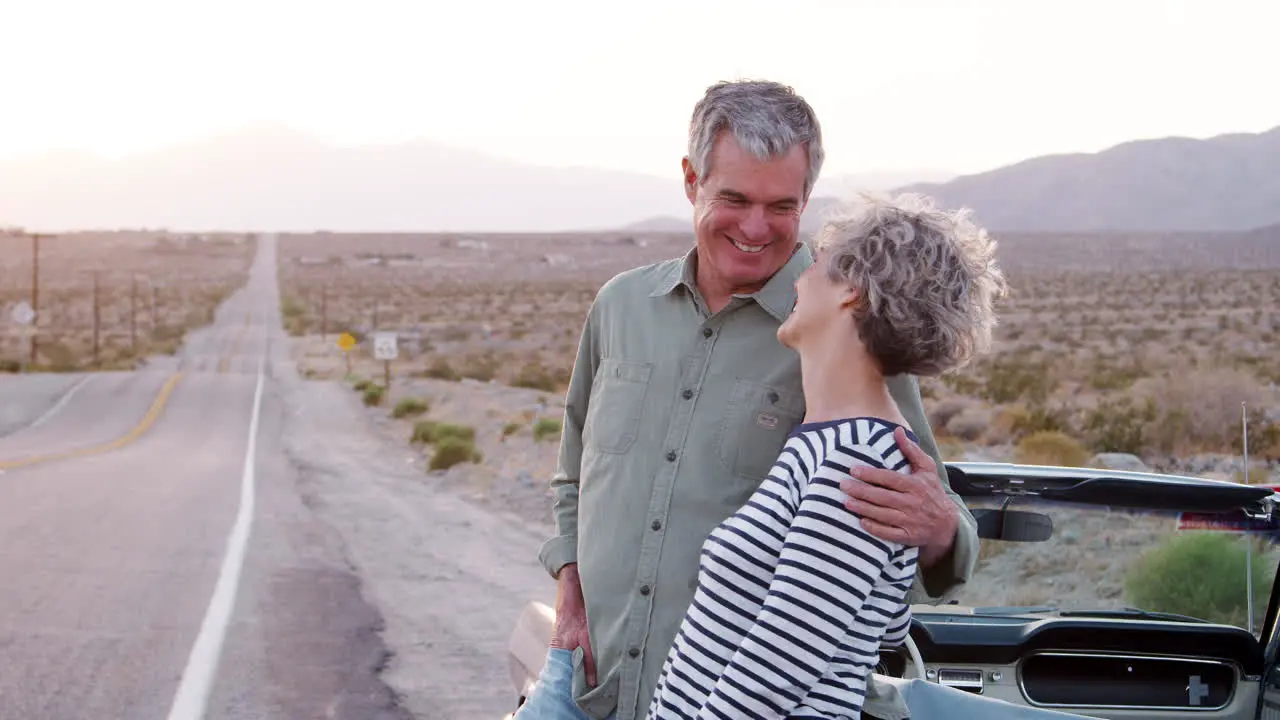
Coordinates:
270	177
1228	182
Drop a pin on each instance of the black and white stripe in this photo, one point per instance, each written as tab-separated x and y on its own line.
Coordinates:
794	598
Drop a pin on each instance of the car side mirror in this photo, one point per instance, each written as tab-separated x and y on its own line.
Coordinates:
1013	525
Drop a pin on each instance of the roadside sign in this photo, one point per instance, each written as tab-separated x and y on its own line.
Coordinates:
385	346
22	313
346	341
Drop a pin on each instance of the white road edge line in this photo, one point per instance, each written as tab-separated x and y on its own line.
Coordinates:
61	403
198	677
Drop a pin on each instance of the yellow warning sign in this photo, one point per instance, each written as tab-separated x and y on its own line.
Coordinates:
346	341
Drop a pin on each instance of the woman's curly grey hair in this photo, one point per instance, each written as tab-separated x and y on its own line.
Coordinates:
928	281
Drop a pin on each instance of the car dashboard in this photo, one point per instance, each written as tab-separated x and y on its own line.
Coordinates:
1106	667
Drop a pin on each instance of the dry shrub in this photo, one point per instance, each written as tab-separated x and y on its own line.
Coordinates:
942	412
970	424
1049	447
546	429
535	375
411	406
453	450
1199	411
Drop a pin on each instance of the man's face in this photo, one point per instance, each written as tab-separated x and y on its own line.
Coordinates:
746	215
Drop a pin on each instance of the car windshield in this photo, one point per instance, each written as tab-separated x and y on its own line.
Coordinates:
1111	559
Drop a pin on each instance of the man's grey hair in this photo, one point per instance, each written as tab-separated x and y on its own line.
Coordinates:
766	118
928	281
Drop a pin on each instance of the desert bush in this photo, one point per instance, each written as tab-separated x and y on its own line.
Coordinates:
546	428
434	431
970	424
483	368
1200	410
950	450
1201	574
1039	418
1109	378
942	412
451	451
1119	425
373	394
961	384
410	406
441	369
294	314
1017	421
511	428
1049	447
535	376
1012	379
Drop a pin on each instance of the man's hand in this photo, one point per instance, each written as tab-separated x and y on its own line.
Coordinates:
571	619
912	509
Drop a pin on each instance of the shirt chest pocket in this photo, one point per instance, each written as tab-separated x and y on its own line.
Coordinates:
756	424
618	394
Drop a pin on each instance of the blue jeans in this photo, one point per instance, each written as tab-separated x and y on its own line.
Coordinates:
552	695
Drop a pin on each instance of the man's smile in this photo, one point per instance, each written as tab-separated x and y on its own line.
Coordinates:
752	249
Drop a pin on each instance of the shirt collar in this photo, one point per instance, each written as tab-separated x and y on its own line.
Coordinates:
777	297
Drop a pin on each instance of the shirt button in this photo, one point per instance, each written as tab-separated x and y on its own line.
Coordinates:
706	332
644	589
634	652
671	456
656	525
686	394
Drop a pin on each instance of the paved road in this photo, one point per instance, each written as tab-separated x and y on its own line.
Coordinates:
126	508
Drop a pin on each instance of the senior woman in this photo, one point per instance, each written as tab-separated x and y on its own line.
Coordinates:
794	597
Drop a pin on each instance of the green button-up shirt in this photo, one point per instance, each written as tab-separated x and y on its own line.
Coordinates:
673	417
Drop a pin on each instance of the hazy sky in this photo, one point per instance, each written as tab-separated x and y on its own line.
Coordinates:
962	85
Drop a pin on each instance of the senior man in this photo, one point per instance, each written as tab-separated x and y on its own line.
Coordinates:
681	398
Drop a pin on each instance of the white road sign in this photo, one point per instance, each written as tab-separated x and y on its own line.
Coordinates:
385	346
22	313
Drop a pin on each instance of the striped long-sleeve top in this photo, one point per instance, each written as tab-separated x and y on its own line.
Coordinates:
794	598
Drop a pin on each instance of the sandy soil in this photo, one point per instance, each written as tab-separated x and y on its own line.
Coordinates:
448	576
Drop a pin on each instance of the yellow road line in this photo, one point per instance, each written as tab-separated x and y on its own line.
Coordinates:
225	362
143	425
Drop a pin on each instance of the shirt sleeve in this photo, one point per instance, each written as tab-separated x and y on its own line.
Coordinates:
899	626
562	548
827	567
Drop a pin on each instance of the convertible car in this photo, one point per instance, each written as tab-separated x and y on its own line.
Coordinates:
1098	593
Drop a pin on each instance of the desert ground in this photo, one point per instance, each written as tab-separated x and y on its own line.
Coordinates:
152	288
1130	350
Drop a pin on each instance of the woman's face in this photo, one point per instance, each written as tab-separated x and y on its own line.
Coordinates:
821	305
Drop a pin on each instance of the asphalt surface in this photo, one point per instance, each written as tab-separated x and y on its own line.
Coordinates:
119	503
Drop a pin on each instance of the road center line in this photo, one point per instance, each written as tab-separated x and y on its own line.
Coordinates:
153	413
61	403
198	677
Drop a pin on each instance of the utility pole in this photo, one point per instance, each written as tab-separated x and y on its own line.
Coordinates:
97	319
324	312
35	284
133	314
35	293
